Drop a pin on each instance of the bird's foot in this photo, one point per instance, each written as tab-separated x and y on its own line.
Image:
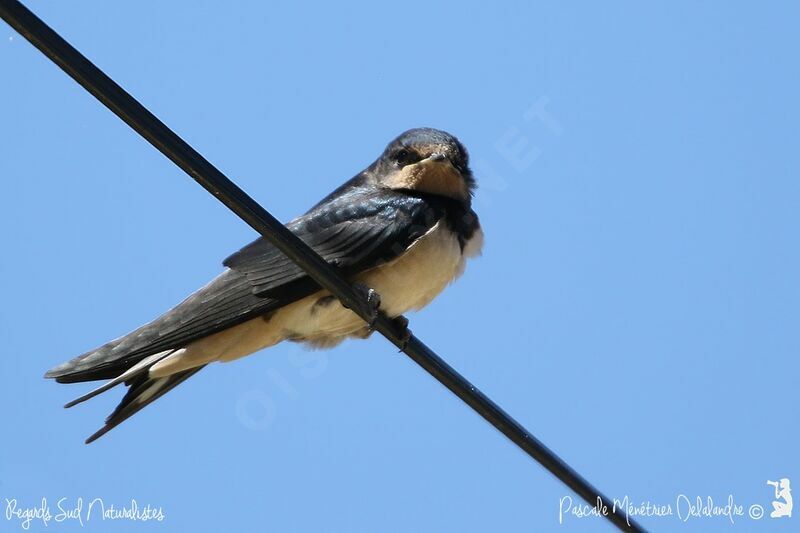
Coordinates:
401	324
372	301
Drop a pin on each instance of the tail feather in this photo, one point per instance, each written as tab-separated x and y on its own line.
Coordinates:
134	372
142	391
142	366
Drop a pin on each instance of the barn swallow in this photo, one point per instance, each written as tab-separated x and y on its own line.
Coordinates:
402	229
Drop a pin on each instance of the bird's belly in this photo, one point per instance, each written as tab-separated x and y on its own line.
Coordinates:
407	283
411	281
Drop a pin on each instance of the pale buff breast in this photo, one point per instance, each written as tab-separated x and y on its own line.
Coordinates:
408	283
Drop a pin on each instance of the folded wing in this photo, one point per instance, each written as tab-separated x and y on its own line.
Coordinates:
355	231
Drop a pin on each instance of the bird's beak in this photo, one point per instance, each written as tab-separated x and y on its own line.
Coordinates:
437	157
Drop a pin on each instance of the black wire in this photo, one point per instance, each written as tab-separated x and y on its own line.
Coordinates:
187	158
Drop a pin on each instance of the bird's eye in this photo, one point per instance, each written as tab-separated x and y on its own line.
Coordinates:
402	157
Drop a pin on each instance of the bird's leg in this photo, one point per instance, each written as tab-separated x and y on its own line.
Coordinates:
372	300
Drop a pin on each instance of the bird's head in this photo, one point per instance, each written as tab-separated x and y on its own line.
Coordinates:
426	160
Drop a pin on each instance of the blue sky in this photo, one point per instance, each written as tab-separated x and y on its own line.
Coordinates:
636	306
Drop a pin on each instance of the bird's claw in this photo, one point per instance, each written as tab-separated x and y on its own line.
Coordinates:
401	323
372	302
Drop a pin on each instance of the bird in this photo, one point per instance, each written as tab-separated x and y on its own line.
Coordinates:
399	231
